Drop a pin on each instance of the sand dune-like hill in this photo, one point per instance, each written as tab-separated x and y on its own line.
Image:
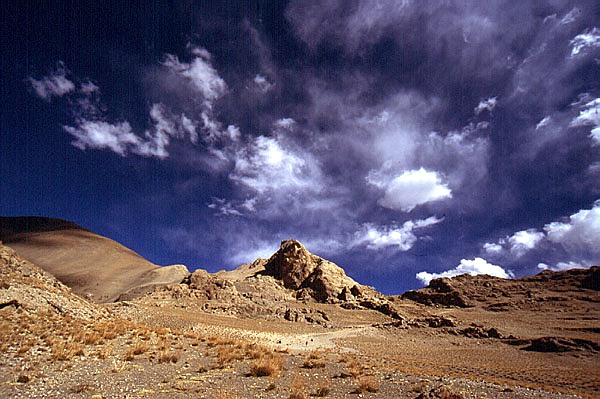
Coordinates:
93	266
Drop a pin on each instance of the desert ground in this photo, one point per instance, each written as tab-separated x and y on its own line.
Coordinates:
82	316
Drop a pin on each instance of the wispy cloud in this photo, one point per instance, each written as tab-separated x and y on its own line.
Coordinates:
99	135
486	105
54	85
402	238
585	41
589	116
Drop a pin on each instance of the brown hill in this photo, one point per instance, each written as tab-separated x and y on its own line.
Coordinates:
93	266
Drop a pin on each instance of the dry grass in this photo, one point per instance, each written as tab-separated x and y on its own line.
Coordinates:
66	350
322	389
167	356
366	384
298	388
228	354
269	364
313	361
138	349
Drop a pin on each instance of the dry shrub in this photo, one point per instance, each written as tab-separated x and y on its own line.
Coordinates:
227	354
67	350
269	364
366	384
92	338
298	388
167	356
313	360
322	389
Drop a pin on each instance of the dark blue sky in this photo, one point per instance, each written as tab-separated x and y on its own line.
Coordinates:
398	139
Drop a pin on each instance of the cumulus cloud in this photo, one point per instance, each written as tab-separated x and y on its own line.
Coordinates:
525	240
580	234
492	248
574	241
589	116
585	41
410	189
486	105
402	238
54	85
467	266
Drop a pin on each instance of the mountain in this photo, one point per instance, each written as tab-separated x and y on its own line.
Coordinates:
93	266
295	318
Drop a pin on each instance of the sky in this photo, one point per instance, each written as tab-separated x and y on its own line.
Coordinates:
402	140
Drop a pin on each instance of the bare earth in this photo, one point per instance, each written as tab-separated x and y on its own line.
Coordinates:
248	334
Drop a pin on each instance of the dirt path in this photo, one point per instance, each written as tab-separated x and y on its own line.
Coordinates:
295	342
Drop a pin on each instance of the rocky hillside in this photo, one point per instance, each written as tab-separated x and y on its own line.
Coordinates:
282	287
93	266
499	294
26	286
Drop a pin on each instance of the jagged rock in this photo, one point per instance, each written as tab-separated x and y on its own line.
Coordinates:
311	275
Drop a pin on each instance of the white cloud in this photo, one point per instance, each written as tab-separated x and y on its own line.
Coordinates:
467	266
486	105
585	41
88	88
265	165
492	248
103	135
543	123
560	266
262	83
284	123
54	85
189	126
576	239
119	137
571	16
523	241
410	189
200	73
378	237
580	235
590	116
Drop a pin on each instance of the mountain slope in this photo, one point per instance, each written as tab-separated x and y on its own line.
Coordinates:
93	266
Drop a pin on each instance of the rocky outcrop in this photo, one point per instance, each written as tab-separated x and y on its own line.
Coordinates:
439	292
310	275
554	344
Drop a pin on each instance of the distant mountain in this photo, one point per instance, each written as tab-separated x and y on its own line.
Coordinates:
93	266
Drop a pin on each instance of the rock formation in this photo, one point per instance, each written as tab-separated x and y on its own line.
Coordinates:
312	276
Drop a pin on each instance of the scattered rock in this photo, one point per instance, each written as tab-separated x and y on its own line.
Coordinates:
554	344
441	392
